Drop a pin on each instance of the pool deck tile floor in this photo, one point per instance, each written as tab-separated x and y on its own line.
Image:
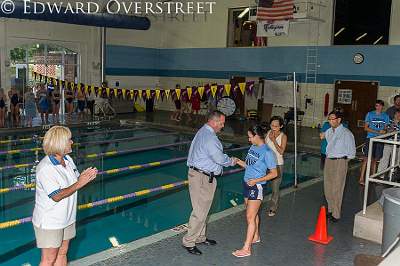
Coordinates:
284	237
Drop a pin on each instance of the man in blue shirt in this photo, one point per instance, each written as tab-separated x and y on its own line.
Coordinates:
340	148
205	161
375	124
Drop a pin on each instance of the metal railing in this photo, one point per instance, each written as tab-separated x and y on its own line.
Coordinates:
395	162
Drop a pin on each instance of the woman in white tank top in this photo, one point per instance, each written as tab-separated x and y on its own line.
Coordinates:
277	141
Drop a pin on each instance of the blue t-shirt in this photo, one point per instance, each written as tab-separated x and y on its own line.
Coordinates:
376	122
259	160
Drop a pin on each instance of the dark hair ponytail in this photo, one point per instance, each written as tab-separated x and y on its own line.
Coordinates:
257	130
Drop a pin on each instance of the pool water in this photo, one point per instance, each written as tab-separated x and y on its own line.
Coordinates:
125	220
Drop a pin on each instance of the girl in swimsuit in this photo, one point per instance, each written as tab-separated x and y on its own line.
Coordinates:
14	106
43	104
69	97
56	105
81	96
2	108
30	106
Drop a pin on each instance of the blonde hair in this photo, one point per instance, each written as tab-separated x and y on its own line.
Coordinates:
56	140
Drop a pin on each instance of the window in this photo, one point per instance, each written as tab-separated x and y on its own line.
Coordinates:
363	22
46	59
242	28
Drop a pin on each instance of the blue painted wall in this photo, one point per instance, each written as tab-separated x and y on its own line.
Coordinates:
382	63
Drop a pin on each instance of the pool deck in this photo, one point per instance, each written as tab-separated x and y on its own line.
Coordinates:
284	237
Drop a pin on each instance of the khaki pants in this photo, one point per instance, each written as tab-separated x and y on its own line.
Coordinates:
201	196
335	172
275	184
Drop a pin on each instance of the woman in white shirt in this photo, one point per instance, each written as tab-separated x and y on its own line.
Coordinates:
277	141
57	183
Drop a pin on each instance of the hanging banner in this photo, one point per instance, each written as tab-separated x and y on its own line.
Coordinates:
228	89
242	87
189	92
124	93
92	89
201	91
139	92
272	28
99	91
167	92
178	93
86	89
132	94
158	94
148	94
214	90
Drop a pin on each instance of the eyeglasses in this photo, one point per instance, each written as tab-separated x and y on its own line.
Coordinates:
331	119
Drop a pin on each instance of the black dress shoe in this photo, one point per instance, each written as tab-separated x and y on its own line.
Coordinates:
333	219
209	242
193	250
329	215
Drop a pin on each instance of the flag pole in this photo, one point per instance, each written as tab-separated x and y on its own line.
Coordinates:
295	127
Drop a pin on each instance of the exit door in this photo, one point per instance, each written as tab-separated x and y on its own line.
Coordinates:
356	98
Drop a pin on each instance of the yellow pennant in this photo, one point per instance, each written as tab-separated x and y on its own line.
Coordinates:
86	89
140	94
132	93
148	93
167	92
242	87
178	93
108	92
92	89
73	86
201	91
115	92
189	92
124	93
214	90
158	94
79	86
99	91
228	89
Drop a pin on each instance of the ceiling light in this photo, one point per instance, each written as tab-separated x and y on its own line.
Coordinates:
244	12
340	31
380	38
361	36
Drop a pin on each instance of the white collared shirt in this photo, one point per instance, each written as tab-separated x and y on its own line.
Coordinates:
51	177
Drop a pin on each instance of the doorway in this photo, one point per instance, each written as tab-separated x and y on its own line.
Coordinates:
356	98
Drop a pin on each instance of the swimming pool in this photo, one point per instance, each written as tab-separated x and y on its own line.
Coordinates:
128	219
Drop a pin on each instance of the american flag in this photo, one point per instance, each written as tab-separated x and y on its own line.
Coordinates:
275	9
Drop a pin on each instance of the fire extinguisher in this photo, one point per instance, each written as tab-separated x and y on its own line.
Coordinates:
326	104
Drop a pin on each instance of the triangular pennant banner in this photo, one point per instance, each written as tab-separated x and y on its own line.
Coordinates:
148	94
214	90
242	87
178	93
201	91
167	92
228	89
140	94
115	92
132	93
189	92
124	93
158	94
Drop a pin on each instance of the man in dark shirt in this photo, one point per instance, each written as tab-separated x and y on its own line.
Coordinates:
396	105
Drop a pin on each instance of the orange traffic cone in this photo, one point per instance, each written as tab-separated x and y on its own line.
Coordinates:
321	233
